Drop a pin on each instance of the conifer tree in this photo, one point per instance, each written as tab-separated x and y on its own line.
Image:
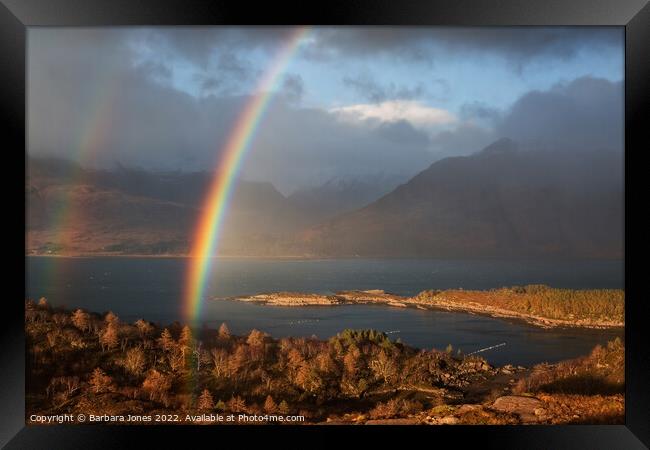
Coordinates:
205	401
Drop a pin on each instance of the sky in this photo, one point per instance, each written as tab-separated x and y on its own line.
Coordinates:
353	101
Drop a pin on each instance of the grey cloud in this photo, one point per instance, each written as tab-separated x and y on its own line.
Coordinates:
293	87
481	112
517	44
402	132
208	84
465	139
115	112
92	103
585	114
200	44
303	147
370	89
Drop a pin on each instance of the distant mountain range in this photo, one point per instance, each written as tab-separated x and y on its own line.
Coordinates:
500	202
496	203
344	194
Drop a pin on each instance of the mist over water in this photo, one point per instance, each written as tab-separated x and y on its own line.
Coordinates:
151	288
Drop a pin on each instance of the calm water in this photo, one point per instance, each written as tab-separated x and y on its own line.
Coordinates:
151	288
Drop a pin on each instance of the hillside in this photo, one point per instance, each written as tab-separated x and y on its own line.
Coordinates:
71	210
343	194
141	370
500	202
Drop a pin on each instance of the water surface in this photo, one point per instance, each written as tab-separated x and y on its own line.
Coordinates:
152	288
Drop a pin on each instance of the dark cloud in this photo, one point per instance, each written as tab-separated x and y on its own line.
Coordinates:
517	44
202	44
402	132
303	147
584	114
113	113
125	110
465	139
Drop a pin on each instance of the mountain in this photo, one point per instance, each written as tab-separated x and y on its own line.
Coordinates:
343	194
504	201
73	210
500	202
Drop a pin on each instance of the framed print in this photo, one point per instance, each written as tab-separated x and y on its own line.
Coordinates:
252	220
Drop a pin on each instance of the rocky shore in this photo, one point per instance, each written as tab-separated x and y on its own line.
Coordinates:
474	302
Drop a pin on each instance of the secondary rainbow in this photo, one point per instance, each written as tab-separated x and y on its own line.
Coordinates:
208	229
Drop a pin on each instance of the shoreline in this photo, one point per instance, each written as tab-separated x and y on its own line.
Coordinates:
381	298
310	258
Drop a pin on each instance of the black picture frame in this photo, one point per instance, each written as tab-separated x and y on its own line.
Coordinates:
17	15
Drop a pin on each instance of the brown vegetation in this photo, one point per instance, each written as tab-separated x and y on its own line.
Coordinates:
356	376
589	305
536	304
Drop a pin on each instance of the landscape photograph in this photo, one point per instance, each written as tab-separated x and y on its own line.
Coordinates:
315	225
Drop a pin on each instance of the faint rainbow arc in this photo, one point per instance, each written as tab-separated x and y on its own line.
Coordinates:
92	135
215	204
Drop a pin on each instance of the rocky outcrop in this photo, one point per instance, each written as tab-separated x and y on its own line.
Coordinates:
529	409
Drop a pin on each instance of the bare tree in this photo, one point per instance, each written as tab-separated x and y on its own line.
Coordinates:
99	381
134	361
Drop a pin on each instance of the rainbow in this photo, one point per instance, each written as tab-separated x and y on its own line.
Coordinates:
216	201
93	135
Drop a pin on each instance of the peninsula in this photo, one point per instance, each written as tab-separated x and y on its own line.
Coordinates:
537	305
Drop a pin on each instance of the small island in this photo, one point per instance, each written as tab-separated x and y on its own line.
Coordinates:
537	305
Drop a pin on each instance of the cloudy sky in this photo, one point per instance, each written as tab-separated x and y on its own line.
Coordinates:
352	101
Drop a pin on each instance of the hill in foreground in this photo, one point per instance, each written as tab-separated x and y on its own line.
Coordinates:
86	363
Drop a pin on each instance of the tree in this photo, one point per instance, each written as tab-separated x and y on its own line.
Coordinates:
166	341
111	318
177	359
145	328
269	405
237	404
295	361
219	362
205	401
308	379
186	339
156	384
134	361
283	407
81	320
255	338
109	338
238	363
99	381
224	332
383	367
351	361
256	342
42	302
